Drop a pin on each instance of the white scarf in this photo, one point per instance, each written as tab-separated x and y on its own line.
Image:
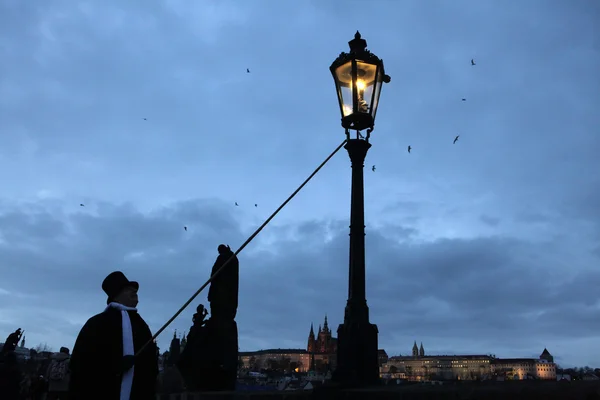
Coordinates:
127	380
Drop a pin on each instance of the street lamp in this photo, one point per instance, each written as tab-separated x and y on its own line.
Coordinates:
358	77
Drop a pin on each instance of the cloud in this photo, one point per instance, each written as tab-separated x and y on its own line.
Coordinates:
490	220
488	288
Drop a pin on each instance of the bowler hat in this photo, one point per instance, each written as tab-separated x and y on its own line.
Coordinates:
115	282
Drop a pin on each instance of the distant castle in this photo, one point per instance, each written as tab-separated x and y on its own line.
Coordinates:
175	349
323	343
319	355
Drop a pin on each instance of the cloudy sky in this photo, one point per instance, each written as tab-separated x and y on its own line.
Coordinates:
491	245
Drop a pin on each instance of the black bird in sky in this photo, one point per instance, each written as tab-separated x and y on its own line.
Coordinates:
456	139
373	168
185	228
473	62
145	119
255	205
464	99
236	204
409	148
81	205
247	70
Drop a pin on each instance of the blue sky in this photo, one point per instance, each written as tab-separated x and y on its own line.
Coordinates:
490	245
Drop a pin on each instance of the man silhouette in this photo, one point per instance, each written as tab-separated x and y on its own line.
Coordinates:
103	365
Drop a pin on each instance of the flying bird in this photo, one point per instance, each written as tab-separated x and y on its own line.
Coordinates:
473	62
456	139
373	168
409	148
81	205
247	70
236	204
464	99
255	205
185	228
145	119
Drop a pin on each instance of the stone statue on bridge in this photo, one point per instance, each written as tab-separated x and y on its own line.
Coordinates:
12	341
209	361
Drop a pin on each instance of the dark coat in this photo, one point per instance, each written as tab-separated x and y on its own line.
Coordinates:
10	376
96	360
224	288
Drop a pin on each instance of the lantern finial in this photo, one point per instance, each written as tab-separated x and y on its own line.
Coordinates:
358	44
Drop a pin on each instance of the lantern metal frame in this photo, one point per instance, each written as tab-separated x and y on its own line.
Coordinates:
358	63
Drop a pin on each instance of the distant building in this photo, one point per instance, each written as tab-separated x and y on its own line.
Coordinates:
324	342
382	356
298	360
320	354
526	368
422	367
175	349
546	356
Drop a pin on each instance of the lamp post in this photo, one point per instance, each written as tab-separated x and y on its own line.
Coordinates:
359	76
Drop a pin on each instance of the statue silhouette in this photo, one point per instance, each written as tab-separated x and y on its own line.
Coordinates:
209	361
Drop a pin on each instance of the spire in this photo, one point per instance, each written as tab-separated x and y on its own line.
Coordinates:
175	334
312	331
183	341
422	350
23	343
325	327
415	350
319	328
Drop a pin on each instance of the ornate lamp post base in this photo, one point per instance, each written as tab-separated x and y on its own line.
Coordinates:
358	363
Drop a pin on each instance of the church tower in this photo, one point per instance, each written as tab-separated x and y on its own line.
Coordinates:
175	349
324	339
422	351
415	350
311	340
183	342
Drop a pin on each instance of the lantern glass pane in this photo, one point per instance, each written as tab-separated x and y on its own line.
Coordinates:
344	87
377	92
365	82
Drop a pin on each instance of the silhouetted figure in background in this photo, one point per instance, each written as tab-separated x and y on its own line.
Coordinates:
10	373
210	359
195	361
58	375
